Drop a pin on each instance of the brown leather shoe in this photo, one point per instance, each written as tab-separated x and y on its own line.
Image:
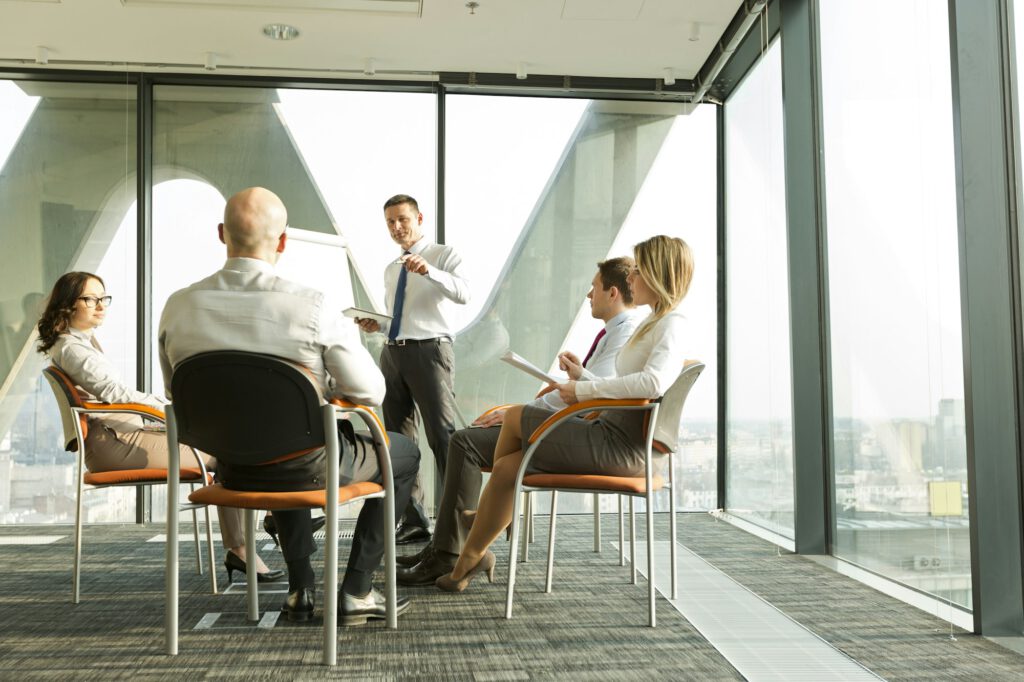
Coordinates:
428	570
413	559
406	535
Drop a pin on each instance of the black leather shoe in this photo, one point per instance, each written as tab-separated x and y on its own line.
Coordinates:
232	563
358	610
270	526
405	534
298	607
428	570
408	560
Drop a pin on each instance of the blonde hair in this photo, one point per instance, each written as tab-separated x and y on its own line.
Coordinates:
666	264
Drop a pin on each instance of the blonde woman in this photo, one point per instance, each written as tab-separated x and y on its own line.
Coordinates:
76	307
613	444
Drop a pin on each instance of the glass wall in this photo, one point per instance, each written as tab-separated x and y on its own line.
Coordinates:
332	156
530	180
900	476
759	459
67	185
540	190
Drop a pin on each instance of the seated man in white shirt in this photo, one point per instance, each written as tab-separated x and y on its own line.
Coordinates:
472	448
246	307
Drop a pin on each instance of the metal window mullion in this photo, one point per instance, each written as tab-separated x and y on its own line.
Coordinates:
144	263
808	294
723	328
985	151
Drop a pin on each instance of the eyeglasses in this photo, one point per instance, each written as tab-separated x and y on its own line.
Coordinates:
91	301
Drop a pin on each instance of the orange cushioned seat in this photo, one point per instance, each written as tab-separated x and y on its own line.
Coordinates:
610	484
127	476
217	494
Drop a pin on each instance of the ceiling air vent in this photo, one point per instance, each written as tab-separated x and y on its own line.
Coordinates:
398	7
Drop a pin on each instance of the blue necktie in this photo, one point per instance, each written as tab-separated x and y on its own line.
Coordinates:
396	313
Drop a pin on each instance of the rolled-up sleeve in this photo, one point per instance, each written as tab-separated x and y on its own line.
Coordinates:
449	276
353	374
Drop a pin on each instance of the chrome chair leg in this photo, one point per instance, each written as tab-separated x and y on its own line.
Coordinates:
209	550
196	540
597	523
551	541
527	522
76	577
516	509
252	592
622	534
651	589
673	550
632	540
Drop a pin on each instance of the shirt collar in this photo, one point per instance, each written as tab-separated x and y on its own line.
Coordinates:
619	319
85	335
248	265
418	247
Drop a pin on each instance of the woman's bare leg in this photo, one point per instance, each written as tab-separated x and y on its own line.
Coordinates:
510	438
494	512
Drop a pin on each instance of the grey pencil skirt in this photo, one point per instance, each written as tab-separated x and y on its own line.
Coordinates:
612	445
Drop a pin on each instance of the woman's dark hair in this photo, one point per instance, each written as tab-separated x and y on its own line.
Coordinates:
60	306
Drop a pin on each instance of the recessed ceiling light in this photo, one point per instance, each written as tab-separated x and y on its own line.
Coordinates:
280	32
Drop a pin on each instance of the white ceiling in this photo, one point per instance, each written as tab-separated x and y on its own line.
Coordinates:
417	38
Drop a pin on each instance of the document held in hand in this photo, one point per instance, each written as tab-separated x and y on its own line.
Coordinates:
525	365
362	314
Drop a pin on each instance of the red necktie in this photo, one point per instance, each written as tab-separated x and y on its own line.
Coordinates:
593	347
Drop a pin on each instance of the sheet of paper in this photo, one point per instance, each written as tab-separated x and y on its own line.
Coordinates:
366	314
525	365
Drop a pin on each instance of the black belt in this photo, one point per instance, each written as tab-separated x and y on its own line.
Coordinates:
417	342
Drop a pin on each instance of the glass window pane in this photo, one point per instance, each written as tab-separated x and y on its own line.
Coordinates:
759	459
540	190
333	157
67	185
894	296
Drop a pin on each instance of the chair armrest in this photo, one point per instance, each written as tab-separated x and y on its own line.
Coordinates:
584	407
494	409
131	408
363	409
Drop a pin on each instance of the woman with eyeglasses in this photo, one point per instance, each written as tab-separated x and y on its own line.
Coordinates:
76	307
612	444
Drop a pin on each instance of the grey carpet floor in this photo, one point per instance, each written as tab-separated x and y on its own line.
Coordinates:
591	627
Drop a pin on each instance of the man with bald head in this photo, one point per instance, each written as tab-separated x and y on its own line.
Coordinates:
246	307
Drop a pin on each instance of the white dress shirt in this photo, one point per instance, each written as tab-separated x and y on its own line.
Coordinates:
430	299
602	363
647	367
78	355
246	307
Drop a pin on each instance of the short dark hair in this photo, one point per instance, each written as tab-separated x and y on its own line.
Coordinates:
400	199
60	306
613	273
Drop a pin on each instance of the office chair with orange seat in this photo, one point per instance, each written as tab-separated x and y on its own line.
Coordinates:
253	409
662	434
73	413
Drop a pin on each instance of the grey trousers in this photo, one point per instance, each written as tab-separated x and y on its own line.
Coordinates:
468	450
107	449
420	375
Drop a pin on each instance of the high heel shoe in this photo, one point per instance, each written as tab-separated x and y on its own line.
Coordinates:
270	526
232	563
450	584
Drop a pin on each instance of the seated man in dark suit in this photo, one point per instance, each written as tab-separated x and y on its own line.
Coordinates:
246	307
470	449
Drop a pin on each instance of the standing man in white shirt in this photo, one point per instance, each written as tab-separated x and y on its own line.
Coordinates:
421	289
470	449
